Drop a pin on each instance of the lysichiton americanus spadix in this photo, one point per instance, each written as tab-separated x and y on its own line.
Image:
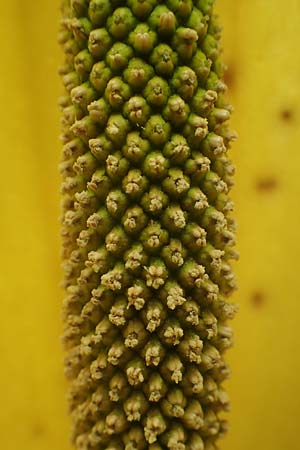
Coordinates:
147	229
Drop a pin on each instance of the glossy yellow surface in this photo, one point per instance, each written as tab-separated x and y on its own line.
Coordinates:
261	41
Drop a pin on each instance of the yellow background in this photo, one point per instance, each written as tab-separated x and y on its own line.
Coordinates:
261	41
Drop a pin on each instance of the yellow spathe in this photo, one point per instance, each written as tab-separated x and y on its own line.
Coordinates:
261	41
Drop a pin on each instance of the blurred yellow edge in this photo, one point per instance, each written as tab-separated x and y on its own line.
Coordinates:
261	48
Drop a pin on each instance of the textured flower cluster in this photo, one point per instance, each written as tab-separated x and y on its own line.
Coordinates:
146	225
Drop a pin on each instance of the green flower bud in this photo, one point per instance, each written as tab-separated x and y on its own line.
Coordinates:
79	7
105	331
193	418
135	148
135	334
203	102
213	146
96	436
118	56
154	201
176	184
163	21
117	92
214	83
172	295
100	221
99	77
119	314
174	254
99	10
210	357
177	149
213	221
193	237
189	312
156	388
99	43
153	352
171	332
81	29
141	8
70	80
224	204
192	382
116	241
137	110
155	425
174	219
155	165
134	437
212	186
182	8
85	128
83	63
73	149
134	184
99	111
172	368
217	116
118	354
153	315
138	73
116	203
114	445
142	39
164	60
157	130
215	29
87	239
116	166
116	129
210	47
137	295
192	274
135	258
157	92
85	165
175	437
136	372
82	95
195	442
205	6
135	406
120	23
185	42
195	202
224	339
201	66
195	130
115	422
184	82
71	185
176	111
198	22
101	147
70	115
85	201
207	326
134	220
153	237
155	274
190	347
